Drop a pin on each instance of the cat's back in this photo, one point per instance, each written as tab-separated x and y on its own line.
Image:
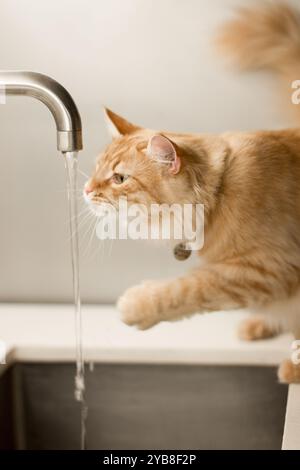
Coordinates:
265	154
262	173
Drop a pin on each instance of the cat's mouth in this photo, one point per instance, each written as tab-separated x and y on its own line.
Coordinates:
98	205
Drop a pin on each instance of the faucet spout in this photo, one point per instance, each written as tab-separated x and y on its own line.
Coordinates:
55	97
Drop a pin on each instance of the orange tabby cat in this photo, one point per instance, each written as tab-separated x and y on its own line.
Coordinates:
249	183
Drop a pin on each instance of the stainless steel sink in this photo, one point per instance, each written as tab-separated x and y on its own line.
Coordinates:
143	407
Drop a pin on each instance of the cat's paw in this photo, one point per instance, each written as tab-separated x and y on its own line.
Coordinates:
289	373
138	306
255	328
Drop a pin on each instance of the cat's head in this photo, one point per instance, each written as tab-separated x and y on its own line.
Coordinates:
144	166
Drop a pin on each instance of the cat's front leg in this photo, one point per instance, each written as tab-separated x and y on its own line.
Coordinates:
218	287
151	302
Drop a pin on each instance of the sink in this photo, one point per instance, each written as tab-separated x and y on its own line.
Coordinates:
143	406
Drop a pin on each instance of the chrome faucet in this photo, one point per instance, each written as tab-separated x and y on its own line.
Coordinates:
54	96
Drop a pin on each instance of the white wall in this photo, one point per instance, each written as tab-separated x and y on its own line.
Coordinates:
148	59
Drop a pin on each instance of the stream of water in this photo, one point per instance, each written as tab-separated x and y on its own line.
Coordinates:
71	163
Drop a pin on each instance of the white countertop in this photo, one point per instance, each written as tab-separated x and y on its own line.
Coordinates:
46	333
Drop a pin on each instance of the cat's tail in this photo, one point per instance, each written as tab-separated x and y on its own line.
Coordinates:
266	36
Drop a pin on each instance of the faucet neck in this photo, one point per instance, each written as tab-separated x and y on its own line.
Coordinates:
55	97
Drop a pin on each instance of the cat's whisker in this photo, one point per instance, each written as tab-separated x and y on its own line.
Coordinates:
93	227
98	249
82	222
80	214
82	217
83	173
84	226
68	190
88	231
76	231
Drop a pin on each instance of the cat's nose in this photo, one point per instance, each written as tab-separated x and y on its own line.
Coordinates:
88	189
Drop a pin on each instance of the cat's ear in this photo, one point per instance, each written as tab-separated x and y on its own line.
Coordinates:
117	125
163	150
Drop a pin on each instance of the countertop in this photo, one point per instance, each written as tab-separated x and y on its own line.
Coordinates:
46	332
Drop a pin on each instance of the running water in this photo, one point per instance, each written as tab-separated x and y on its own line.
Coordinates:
71	168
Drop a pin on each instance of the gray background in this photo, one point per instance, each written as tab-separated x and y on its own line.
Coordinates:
148	60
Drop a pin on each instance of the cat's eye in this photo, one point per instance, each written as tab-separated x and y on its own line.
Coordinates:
117	178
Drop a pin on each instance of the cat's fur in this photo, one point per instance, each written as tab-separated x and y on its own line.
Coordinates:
249	183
